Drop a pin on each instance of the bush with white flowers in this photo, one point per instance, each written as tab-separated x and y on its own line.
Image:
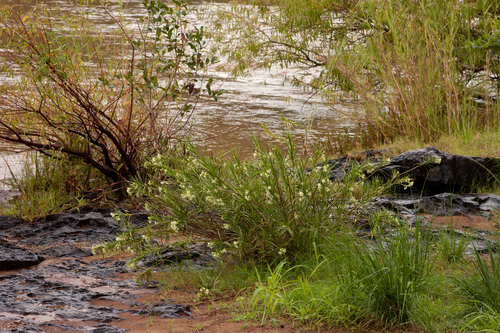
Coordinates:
268	208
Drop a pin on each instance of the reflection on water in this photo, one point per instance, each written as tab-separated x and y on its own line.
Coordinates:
9	164
249	103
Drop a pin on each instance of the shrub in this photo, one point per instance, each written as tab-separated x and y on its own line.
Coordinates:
268	209
104	99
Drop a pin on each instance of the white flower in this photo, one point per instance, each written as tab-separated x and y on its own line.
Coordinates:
369	168
188	195
96	249
210	244
116	217
408	184
236	244
174	226
226	226
282	251
204	291
437	160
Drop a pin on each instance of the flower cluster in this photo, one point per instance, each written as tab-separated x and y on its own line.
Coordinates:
174	226
408	184
203	292
218	254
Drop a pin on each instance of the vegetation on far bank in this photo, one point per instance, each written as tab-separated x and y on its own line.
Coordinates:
110	123
420	69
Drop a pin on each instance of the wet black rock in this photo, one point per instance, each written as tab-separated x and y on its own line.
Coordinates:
446	172
476	241
197	255
339	167
7	222
77	228
66	251
443	204
14	257
452	173
164	310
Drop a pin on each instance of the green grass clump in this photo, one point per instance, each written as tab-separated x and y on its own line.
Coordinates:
451	245
314	296
355	281
391	272
481	292
49	185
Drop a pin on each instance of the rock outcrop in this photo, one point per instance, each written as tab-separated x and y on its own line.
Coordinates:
430	168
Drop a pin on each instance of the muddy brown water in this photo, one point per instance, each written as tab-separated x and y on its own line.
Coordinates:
249	103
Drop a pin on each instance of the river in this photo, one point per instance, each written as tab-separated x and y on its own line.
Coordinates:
249	103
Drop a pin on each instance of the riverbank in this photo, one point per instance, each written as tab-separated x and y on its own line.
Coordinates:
41	298
336	286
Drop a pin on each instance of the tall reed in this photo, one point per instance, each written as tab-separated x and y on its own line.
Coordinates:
418	74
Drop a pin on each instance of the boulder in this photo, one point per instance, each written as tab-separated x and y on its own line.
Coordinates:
429	168
439	171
